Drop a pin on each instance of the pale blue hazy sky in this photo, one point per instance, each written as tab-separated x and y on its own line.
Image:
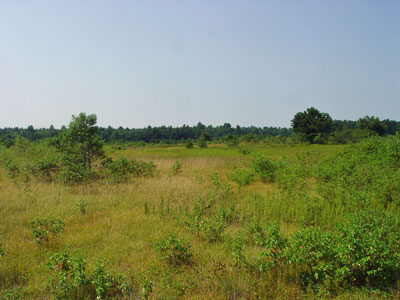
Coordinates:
139	63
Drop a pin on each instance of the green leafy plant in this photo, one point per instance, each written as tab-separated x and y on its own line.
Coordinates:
189	144
82	206
120	169
264	168
174	250
176	168
242	176
1	250
44	229
45	169
202	142
147	289
273	244
12	294
106	284
68	278
369	249
313	252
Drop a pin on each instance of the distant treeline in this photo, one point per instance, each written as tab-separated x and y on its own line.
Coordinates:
342	132
162	134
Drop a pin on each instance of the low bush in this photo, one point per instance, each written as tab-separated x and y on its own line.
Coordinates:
189	144
70	280
174	250
242	176
176	168
106	284
44	229
264	168
45	169
120	169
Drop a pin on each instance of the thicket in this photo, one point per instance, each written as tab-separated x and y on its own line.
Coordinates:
73	156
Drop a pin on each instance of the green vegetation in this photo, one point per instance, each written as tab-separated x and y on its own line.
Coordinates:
311	126
248	220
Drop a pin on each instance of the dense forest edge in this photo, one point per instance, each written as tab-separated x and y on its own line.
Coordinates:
318	128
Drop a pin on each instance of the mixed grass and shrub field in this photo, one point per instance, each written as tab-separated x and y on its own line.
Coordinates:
254	221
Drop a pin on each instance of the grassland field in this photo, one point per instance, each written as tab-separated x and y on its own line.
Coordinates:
123	222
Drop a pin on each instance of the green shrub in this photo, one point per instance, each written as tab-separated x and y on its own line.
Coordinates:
12	294
1	250
244	151
44	169
68	278
202	143
174	250
264	168
368	172
369	249
106	284
242	176
120	169
273	244
44	229
74	173
189	144
176	168
147	289
313	253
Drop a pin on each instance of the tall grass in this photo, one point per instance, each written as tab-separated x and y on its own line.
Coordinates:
124	221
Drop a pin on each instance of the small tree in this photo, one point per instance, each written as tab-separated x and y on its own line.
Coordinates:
189	144
202	142
79	145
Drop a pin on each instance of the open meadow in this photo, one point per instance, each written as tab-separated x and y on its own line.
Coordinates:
256	221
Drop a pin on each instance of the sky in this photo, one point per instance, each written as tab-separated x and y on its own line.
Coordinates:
140	63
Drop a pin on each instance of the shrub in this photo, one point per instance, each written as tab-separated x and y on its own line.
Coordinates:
176	251
120	169
74	173
68	275
44	169
106	284
313	252
44	229
264	168
176	168
242	176
273	244
147	289
189	144
369	249
368	172
202	142
1	250
70	281
12	294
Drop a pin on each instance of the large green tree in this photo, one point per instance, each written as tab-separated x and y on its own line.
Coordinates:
312	125
373	124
